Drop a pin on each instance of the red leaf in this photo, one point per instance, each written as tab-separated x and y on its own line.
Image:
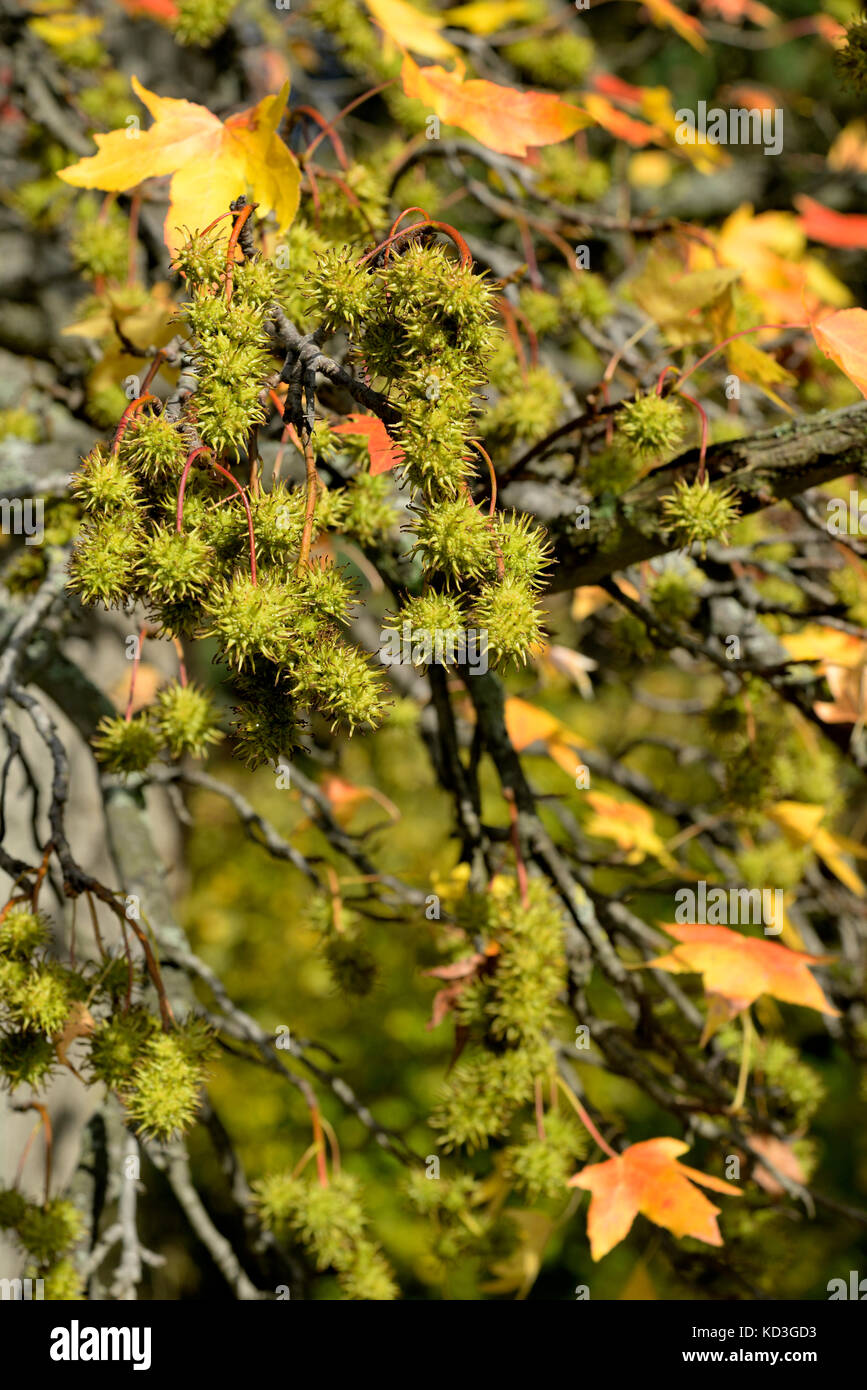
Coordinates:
384	453
846	229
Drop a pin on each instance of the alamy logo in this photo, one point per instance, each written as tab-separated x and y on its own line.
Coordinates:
740	126
23	517
857	1288
22	1290
730	907
419	646
102	1344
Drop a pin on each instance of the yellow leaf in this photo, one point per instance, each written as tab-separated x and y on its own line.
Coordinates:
61	29
751	364
487	16
411	28
211	162
800	822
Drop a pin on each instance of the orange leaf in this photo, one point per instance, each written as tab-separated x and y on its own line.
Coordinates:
345	797
843	338
738	969
618	124
647	1178
664	12
165	10
501	118
79	1024
211	162
384	453
846	229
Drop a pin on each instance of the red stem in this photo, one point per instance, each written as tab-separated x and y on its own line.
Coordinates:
762	327
701	457
326	130
132	409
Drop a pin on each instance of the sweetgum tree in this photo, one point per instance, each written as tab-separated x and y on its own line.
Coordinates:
432	533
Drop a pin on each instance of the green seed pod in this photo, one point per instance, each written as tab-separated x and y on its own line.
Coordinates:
126	745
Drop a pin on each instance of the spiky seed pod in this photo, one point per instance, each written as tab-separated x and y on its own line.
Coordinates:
424	282
13	1206
435	448
46	1232
186	720
506	610
126	745
27	1058
265	728
201	21
351	966
368	1278
278	520
256	283
540	1168
341	292
527	411
370	513
104	484
154	448
176	565
103	567
62	1283
101	248
226	412
652	424
453	539
39	996
23	932
525	548
674	594
164	1092
482	1095
698	513
850	60
329	1220
252	620
202	259
340	682
118	1044
431	616
328	591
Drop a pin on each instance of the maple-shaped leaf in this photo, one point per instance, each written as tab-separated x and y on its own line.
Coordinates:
384	453
737	969
819	223
411	28
211	161
647	1178
843	338
630	826
501	118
